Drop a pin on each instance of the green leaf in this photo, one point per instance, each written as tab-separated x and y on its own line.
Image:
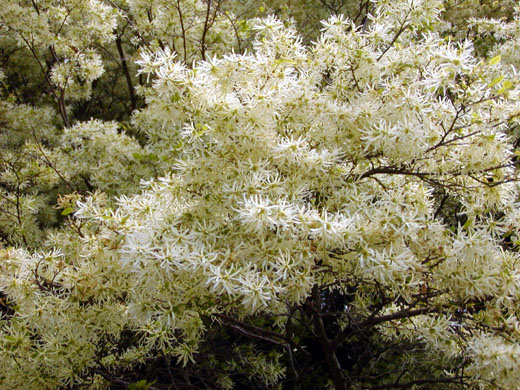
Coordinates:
495	60
284	61
505	86
152	157
176	97
67	211
496	80
143	384
468	223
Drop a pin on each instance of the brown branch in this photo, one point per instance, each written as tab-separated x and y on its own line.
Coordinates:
181	18
59	99
66	17
394	171
205	31
7	198
356	84
266	332
136	30
133	99
48	286
370	322
35	7
403	27
48	162
293	371
420	382
396	316
442	142
117	380
441	205
235	29
428	175
18	210
254	335
269	335
328	346
8	212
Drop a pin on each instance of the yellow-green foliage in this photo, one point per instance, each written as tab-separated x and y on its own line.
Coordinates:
250	198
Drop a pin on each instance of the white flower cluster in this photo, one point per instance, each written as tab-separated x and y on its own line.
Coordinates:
68	31
378	160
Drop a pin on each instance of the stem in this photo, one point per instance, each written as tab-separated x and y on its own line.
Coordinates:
59	99
293	371
420	382
49	163
183	31
133	100
205	31
327	345
370	322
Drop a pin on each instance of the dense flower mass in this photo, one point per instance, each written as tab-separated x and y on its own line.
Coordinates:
225	194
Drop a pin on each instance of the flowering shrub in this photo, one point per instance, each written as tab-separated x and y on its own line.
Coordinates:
337	214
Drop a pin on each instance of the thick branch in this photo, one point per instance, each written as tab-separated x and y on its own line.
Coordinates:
327	346
370	322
